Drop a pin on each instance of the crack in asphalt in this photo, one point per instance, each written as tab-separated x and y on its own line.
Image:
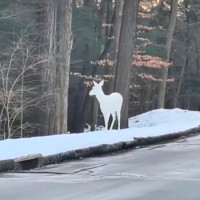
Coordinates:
147	177
58	173
156	147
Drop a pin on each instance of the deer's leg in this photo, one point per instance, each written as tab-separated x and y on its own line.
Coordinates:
106	118
113	120
118	119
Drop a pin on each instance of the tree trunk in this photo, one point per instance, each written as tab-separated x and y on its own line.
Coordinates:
47	26
49	74
116	34
63	62
125	55
180	82
164	70
147	98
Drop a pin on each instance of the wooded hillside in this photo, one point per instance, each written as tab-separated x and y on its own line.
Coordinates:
52	50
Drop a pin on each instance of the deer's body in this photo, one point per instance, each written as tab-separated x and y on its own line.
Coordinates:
109	104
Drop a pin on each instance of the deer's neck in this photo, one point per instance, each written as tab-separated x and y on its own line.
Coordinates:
100	96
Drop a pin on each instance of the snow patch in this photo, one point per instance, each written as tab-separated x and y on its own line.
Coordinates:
152	123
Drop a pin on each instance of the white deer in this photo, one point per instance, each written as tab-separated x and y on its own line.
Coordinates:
109	104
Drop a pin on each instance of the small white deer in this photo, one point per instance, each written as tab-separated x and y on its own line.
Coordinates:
109	104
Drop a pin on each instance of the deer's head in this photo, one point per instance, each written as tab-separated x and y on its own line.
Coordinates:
97	88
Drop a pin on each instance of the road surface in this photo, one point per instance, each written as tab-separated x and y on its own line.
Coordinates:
161	172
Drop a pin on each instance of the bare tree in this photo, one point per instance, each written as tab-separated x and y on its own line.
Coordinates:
16	97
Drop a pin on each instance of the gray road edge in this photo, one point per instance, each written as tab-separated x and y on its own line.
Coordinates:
9	165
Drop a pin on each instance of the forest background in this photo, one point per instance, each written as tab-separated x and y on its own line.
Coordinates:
52	50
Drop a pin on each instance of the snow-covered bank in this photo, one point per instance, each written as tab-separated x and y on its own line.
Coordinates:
153	123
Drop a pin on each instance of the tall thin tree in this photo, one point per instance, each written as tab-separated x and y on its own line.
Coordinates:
63	62
164	70
116	34
125	55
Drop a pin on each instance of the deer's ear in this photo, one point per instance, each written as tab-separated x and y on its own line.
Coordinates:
101	83
95	83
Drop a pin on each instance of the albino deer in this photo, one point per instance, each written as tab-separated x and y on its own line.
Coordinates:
109	104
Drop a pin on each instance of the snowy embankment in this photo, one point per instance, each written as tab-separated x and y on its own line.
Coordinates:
153	123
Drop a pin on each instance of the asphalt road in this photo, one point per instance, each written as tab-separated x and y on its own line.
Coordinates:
162	172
